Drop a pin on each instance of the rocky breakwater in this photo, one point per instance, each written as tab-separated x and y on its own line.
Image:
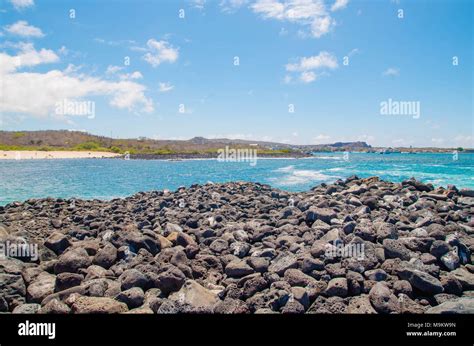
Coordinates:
355	246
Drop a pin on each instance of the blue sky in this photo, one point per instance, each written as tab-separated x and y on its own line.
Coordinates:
182	80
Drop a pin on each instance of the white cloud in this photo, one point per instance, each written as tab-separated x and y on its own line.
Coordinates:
391	71
322	25
112	69
308	76
22	4
230	6
20	89
307	66
339	5
322	60
27	57
22	28
199	4
133	75
159	52
311	13
165	87
71	69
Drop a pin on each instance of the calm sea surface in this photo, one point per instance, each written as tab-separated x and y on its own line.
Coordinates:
111	178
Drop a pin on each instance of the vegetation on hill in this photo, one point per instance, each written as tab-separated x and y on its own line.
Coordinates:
80	141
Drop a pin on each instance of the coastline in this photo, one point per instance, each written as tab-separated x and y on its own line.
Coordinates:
42	155
72	154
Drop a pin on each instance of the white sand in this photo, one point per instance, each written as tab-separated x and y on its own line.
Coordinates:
31	155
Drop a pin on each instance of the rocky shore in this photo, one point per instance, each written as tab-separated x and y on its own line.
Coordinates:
355	246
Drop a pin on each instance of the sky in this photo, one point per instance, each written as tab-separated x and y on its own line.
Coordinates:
292	71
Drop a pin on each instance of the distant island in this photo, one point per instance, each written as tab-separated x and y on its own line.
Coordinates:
197	147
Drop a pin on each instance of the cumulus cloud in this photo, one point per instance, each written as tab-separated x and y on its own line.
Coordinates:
159	52
22	28
22	4
165	87
37	94
339	5
310	13
307	66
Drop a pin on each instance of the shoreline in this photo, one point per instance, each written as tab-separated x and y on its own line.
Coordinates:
353	246
71	154
53	155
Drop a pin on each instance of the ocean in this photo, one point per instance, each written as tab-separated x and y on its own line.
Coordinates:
112	178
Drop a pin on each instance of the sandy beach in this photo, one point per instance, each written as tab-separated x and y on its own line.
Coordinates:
31	155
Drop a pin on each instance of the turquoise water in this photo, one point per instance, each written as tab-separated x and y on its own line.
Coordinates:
110	178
